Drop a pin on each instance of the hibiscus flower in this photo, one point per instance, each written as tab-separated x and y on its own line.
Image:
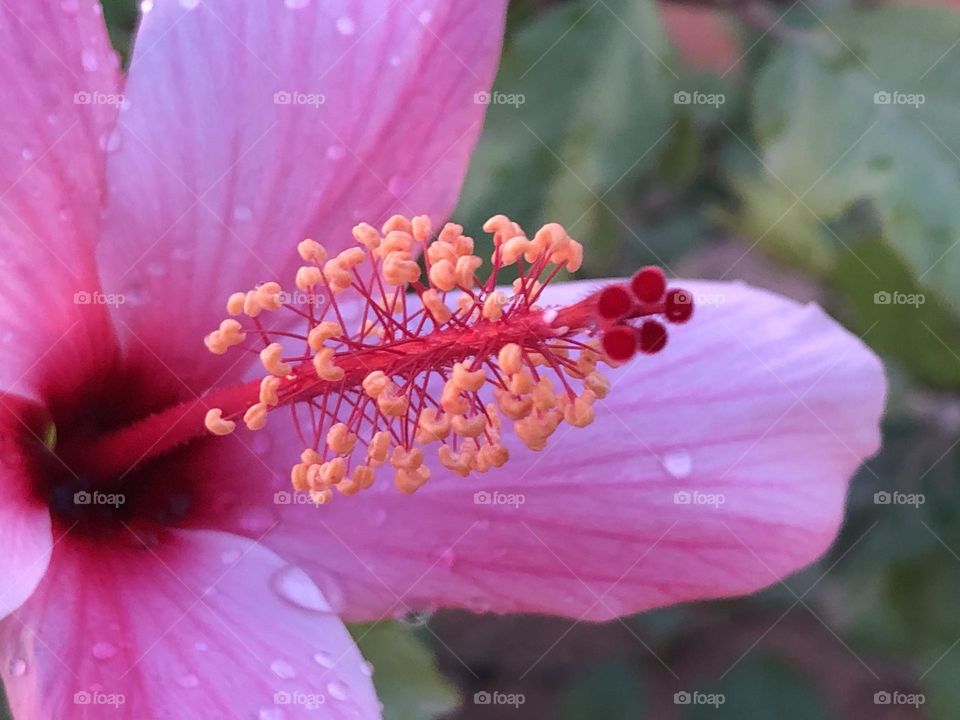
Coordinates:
153	569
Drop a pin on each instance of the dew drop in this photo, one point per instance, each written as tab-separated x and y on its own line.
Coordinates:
395	61
282	669
146	6
448	558
295	586
189	4
182	252
27	154
336	152
425	17
52	119
398	186
678	463
242	213
324	659
271	714
201	646
366	668
103	650
18	667
188	681
229	557
110	141
156	269
346	25
337	689
88	60
257	520
70	7
379	517
296	4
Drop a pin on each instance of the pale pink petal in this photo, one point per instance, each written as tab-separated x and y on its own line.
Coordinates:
253	125
25	532
196	625
765	402
58	103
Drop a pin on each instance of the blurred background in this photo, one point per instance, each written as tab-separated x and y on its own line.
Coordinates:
812	147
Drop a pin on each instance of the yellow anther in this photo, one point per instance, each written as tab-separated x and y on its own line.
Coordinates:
310	456
522	382
251	304
443	275
515	408
525	286
493	306
348	487
493	455
340	440
367	236
494	418
532	431
215	343
421	228
235	303
451	400
552	237
441	251
256	416
378	449
469	427
406	459
397	222
498	223
454	461
513	249
324	366
231	333
326	330
467	265
375	384
450	233
308	276
271	356
215	423
351	257
321	497
435	306
392	405
598	384
463	245
510	358
577	411
464	306
409	481
336	276
270	296
398	269
269	390
544	396
469	380
363	476
312	251
432	426
332	472
396	241
298	477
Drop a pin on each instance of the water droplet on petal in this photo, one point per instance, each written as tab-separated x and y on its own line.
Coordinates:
398	186
337	689
271	714
295	586
18	667
336	152
395	61
425	17
379	517
228	557
346	26
282	669
156	269
242	213
324	659
27	154
103	650
201	646
189	4
366	668
188	681
110	141
296	4
678	463
448	558
88	59
146	6
257	520
52	119
70	7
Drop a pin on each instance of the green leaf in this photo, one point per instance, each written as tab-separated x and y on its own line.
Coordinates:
405	672
867	111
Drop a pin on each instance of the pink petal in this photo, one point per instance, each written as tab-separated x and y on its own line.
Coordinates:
766	402
216	179
199	625
58	103
25	533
